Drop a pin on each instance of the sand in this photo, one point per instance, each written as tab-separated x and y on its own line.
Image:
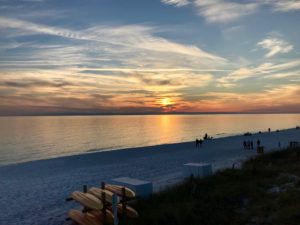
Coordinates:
35	192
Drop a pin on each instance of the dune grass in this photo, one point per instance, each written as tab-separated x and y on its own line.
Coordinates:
266	190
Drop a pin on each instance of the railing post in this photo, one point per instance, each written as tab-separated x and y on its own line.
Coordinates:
85	209
104	203
124	206
115	209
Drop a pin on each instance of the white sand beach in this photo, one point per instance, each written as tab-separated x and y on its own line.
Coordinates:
35	192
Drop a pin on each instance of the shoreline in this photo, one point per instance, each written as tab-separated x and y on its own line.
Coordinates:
105	150
36	190
112	149
143	148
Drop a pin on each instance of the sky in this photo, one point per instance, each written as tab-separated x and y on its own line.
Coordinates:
149	56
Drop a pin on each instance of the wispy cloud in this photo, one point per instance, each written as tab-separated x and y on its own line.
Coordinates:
230	79
224	11
218	11
34	28
263	70
282	98
100	47
267	68
144	38
284	5
178	3
275	46
33	0
285	75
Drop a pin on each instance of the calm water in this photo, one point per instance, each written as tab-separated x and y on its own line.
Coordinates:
31	138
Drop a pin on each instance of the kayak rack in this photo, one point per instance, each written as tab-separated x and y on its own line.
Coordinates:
118	206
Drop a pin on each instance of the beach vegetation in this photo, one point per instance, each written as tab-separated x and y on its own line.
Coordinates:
265	190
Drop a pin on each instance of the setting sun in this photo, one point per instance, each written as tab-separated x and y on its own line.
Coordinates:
166	101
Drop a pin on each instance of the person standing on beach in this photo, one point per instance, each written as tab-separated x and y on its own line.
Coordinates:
200	143
197	143
245	145
258	143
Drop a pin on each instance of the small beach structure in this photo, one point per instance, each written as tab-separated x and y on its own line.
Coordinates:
197	169
142	188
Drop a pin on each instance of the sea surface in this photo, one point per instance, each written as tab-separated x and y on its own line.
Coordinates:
41	137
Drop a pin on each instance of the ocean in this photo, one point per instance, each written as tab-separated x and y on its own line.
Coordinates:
41	137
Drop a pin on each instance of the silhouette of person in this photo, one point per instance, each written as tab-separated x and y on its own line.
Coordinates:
200	142
197	143
205	136
245	145
251	143
258	143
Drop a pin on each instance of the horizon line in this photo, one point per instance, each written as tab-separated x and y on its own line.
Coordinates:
145	114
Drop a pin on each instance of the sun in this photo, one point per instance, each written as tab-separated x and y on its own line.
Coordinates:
166	102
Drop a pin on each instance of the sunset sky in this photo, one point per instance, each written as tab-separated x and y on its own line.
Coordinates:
149	56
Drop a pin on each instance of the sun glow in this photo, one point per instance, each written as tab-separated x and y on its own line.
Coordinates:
166	102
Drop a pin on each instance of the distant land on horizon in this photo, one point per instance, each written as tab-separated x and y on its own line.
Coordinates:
137	114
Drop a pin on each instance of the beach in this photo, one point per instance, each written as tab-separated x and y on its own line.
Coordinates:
34	192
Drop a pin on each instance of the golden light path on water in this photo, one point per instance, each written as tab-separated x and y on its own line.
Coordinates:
31	138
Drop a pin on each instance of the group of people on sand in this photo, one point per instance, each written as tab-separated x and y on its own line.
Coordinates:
249	144
199	142
207	137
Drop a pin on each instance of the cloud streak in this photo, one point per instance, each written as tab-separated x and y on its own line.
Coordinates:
135	46
284	98
140	37
219	11
224	11
284	5
264	70
178	3
275	46
34	28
